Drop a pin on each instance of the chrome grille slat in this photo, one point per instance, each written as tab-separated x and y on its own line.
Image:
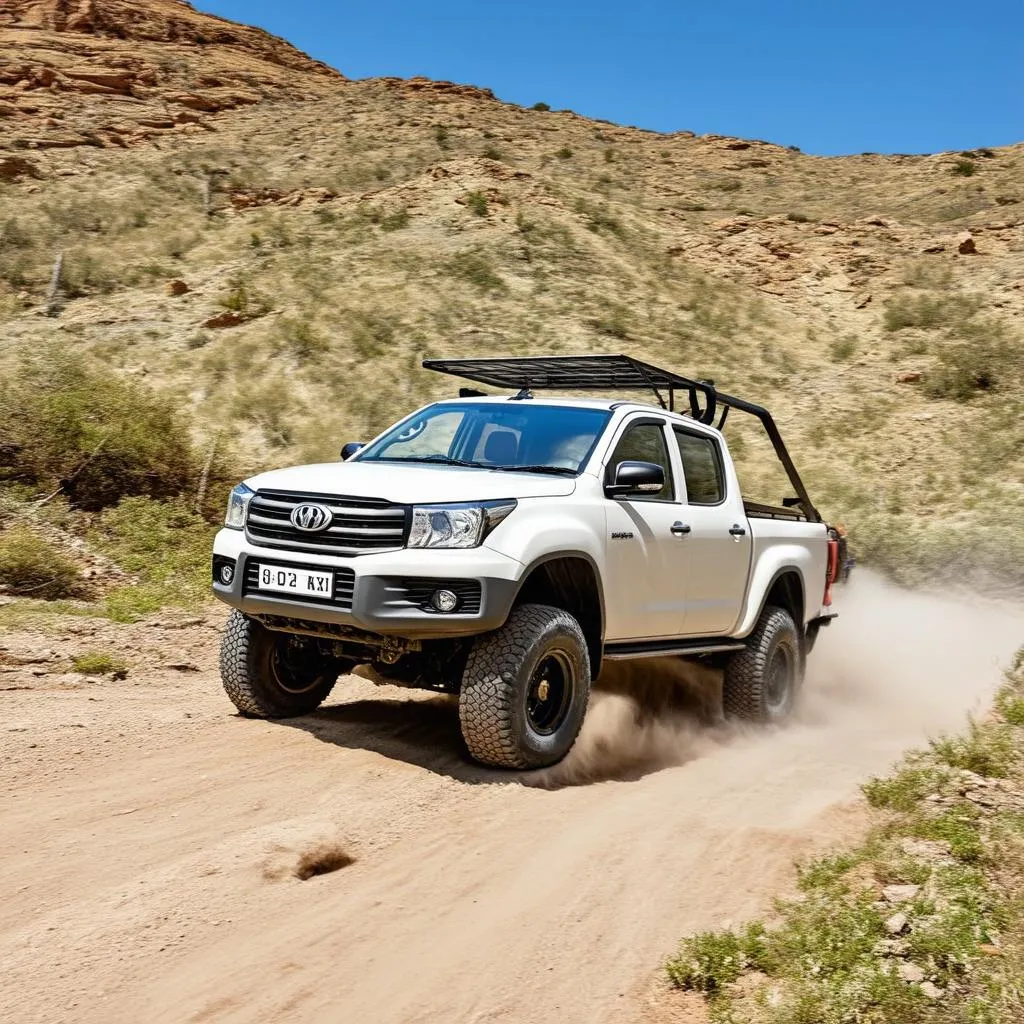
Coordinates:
358	525
338	510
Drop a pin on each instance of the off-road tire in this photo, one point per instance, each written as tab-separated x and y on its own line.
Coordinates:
749	689
499	687
249	654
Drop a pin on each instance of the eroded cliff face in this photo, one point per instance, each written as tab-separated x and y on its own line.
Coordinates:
116	72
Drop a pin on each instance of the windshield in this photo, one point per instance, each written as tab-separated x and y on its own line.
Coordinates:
517	436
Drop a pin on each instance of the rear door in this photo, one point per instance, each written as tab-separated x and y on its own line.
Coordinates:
718	540
648	559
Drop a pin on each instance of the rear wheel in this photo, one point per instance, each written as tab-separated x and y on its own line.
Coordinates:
273	675
525	689
761	682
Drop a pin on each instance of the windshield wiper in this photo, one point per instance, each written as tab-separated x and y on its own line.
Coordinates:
556	470
441	460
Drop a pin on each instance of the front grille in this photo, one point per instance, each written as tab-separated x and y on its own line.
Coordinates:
358	525
344	585
416	593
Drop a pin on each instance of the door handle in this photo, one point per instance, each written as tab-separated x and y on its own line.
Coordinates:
680	529
737	530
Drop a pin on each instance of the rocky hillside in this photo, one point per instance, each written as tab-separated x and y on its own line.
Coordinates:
278	248
118	72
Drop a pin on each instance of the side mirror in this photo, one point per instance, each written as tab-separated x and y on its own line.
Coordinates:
636	478
350	449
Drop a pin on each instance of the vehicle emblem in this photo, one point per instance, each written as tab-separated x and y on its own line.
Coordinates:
311	518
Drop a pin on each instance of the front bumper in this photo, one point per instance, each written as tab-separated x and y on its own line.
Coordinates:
378	604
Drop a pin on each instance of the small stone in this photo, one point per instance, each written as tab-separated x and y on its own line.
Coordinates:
897	924
900	893
228	318
965	244
910	377
910	973
931	991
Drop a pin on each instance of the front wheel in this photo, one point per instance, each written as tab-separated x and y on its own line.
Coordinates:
525	689
273	675
761	682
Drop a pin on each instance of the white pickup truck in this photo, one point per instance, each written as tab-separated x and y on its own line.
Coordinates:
503	547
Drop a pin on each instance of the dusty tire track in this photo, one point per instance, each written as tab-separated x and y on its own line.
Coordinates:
152	837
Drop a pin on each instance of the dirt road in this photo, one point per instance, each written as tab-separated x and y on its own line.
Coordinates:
151	838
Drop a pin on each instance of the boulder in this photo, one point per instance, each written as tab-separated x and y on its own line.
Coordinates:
228	318
911	377
910	972
177	287
965	244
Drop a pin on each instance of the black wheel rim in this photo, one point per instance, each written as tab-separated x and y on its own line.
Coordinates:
549	695
295	667
779	678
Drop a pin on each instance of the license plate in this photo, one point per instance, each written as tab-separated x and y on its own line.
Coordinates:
286	580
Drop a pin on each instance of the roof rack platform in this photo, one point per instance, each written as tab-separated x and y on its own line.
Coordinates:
622	373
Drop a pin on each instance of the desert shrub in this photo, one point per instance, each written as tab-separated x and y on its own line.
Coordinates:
929	311
96	435
372	333
396	220
565	153
441	135
302	339
493	153
966	367
842	348
474	267
964	168
599	219
798	218
614	326
32	567
97	663
541	106
164	544
476	202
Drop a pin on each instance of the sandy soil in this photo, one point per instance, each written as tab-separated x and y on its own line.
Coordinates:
152	840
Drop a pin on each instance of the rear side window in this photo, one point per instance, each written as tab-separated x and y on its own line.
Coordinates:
645	442
702	468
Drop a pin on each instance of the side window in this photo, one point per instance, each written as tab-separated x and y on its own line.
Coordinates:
645	442
702	468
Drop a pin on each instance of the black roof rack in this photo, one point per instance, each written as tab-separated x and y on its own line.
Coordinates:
622	373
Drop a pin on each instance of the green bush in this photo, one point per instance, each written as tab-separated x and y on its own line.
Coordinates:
165	544
842	348
982	364
475	268
94	434
929	312
32	567
964	168
477	203
98	663
541	106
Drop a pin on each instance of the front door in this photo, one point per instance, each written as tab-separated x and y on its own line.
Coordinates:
647	563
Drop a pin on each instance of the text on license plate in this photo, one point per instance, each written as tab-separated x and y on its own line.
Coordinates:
296	581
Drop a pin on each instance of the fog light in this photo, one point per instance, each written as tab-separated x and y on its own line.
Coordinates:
444	600
227	574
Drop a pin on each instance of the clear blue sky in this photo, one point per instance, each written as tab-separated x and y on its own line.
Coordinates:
826	75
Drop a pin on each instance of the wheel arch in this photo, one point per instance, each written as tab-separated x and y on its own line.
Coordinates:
569	580
786	590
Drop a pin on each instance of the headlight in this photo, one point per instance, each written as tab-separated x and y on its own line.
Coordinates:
456	526
238	503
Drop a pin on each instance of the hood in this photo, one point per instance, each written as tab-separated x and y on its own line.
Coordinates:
413	485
